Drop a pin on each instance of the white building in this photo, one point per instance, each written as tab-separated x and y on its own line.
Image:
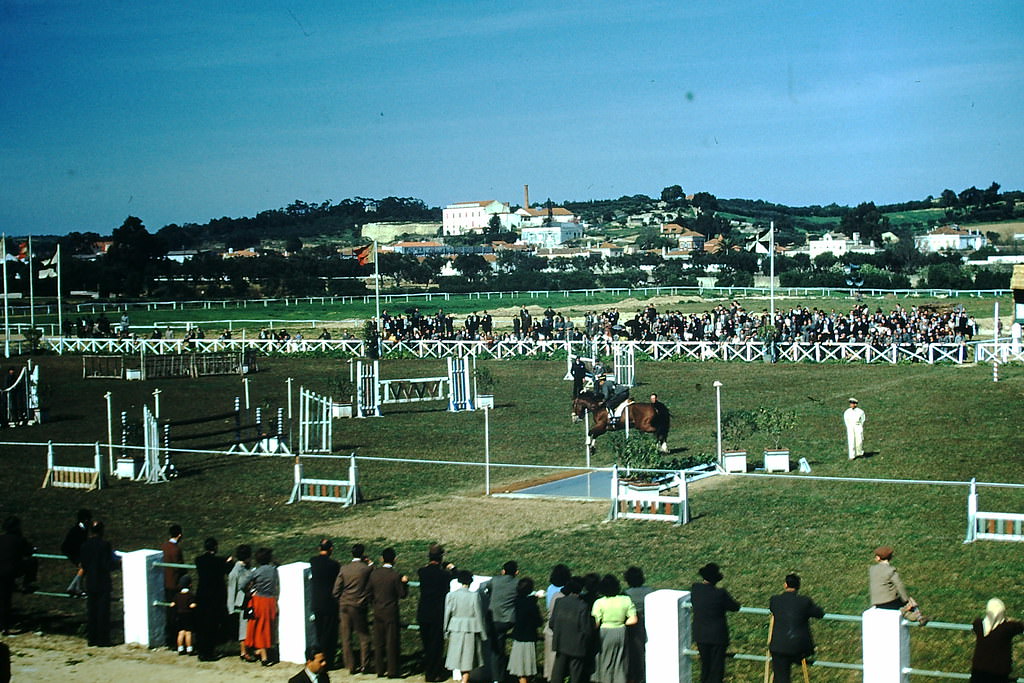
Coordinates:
534	217
838	245
950	237
464	217
552	235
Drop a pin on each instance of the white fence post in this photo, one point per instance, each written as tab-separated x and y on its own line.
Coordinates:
142	584
294	628
972	514
886	642
667	618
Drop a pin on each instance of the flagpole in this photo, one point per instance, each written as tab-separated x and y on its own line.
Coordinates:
60	307
7	323
31	289
376	295
771	274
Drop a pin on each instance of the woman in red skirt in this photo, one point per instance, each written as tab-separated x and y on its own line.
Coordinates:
265	587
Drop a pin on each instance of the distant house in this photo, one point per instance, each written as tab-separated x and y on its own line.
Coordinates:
552	235
421	248
689	240
535	217
182	255
950	237
239	253
466	217
838	245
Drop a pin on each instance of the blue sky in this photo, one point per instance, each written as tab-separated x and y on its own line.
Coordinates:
187	111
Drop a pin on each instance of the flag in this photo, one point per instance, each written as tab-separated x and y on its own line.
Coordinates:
23	251
52	264
365	254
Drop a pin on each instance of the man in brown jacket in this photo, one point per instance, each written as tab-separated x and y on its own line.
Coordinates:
387	587
351	589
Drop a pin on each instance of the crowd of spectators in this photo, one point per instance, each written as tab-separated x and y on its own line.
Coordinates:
730	323
724	323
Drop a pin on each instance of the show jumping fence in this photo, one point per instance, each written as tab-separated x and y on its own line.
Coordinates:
150	365
68	477
246	437
991	526
19	397
316	428
372	392
344	491
650	502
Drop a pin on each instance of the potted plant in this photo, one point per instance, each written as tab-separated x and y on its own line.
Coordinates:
341	391
775	422
736	426
638	452
483	380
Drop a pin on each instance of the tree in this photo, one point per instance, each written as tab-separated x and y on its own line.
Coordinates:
494	225
293	244
705	201
949	199
866	221
672	193
472	266
947	276
132	258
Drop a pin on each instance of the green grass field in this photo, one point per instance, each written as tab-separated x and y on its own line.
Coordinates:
941	423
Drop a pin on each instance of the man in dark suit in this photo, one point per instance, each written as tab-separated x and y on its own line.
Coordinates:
710	628
352	593
211	599
435	581
791	639
98	560
387	587
316	668
572	626
323	570
500	596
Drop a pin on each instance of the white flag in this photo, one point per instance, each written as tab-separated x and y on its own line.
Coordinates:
48	272
52	261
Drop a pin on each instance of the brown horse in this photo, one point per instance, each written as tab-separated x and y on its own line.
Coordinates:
652	418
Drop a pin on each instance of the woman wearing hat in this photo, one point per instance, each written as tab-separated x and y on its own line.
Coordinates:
710	628
992	661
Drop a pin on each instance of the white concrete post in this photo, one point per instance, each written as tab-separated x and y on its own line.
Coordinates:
144	622
886	646
668	634
294	627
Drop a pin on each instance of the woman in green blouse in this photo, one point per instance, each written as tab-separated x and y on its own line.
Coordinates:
612	613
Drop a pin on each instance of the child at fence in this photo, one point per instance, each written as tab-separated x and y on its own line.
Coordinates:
184	605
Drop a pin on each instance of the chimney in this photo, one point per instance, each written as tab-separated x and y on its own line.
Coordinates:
526	196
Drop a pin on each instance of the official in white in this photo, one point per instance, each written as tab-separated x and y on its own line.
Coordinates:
854	419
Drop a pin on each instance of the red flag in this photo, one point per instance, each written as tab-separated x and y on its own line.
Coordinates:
23	251
365	254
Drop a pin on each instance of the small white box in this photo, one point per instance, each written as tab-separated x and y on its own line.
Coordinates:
734	461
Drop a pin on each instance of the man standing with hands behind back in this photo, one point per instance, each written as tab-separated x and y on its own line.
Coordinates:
854	419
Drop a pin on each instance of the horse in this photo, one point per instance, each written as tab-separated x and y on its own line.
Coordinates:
653	418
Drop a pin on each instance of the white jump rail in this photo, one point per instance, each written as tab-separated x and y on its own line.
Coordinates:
991	526
344	491
650	503
69	477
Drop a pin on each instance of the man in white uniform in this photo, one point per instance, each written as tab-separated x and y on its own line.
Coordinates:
854	419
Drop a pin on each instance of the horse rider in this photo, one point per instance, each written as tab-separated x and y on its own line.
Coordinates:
614	394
